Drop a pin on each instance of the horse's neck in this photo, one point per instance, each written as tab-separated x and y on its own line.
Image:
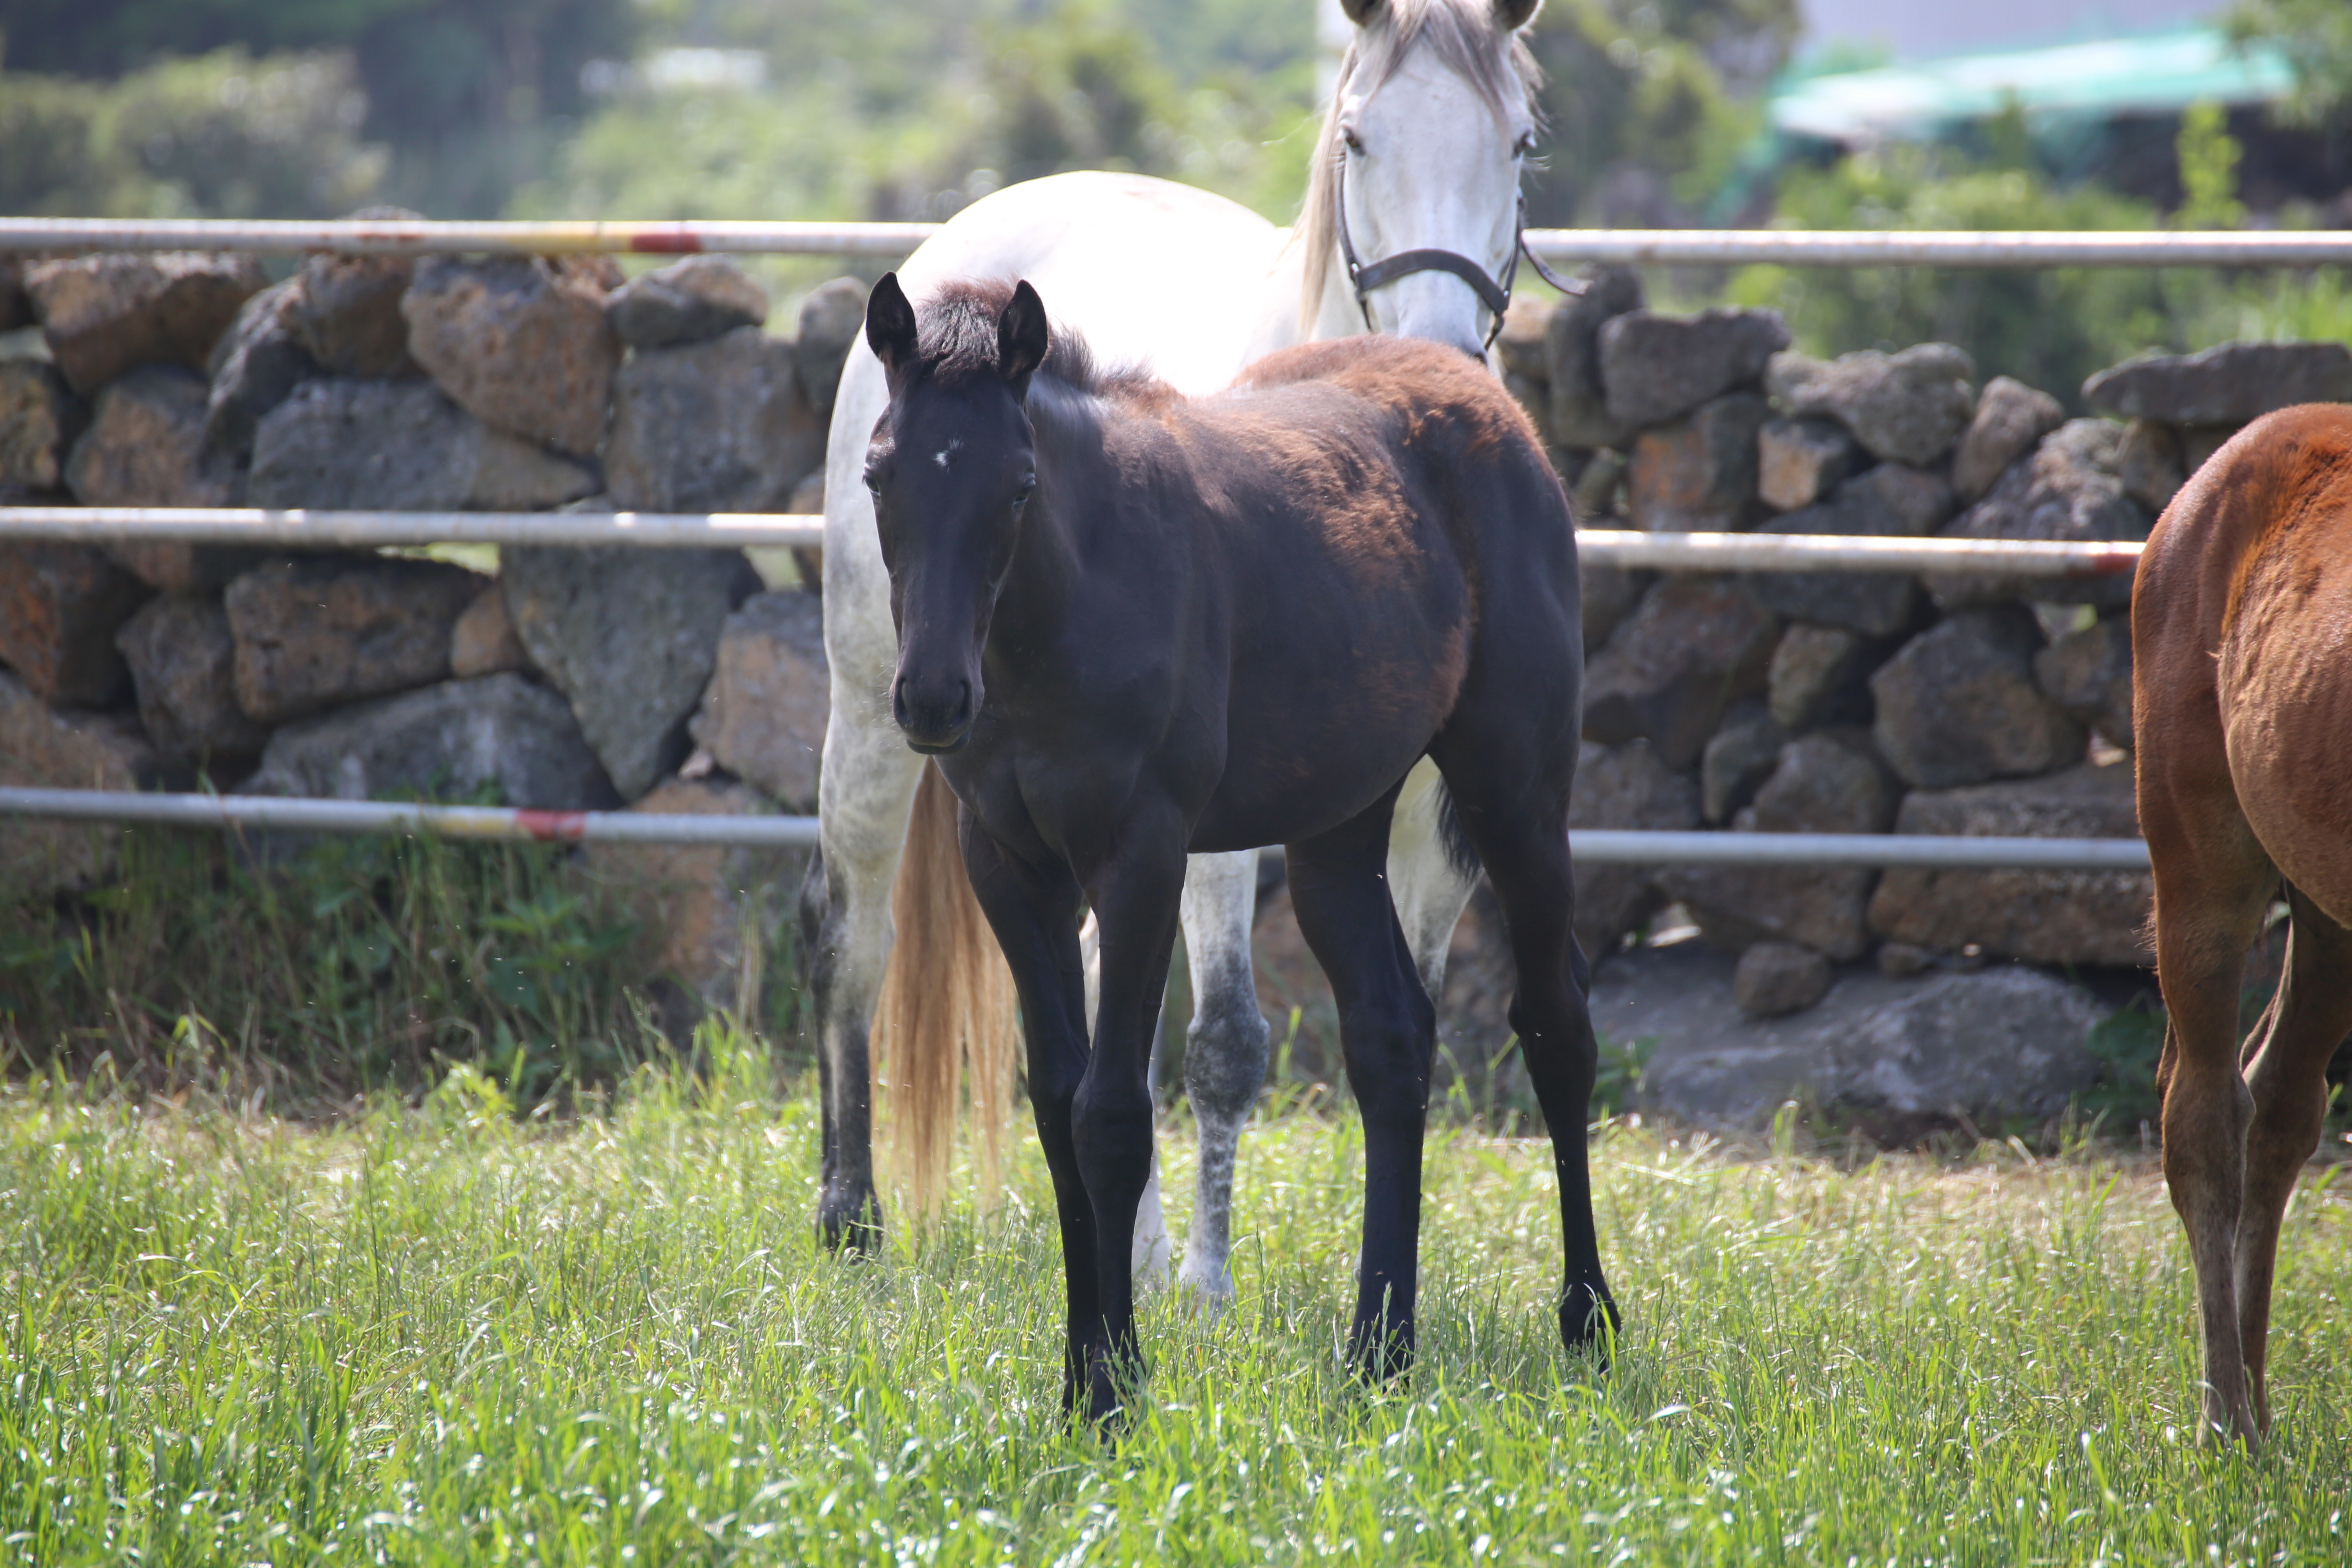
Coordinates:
1279	325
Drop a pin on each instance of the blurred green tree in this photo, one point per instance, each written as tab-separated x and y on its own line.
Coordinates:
1651	104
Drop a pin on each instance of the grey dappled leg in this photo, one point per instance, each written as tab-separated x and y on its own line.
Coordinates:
2287	1076
864	793
1226	1054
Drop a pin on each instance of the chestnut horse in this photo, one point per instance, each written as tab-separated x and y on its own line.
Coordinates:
2242	715
1133	627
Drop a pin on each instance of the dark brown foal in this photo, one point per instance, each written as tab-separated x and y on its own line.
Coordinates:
2242	646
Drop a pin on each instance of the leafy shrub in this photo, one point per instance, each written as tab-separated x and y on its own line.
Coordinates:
220	135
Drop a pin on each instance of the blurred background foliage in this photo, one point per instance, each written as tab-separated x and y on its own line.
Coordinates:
818	109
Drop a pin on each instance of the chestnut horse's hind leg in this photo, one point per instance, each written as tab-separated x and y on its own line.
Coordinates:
1387	1032
2286	1071
1034	914
2212	881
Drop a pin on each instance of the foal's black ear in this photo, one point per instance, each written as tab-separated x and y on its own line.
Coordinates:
1359	11
1021	336
1513	15
890	324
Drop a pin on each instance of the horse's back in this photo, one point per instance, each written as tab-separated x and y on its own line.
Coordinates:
1151	273
2241	623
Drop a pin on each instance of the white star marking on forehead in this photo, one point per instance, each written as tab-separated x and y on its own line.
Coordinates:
940	457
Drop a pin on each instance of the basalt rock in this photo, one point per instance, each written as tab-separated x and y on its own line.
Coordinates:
349	316
1693	647
46	748
1907	407
764	717
399	445
1579	408
2088	673
482	641
831	319
2010	420
107	314
2069	489
519	342
2149	464
1958	704
2229	384
2045	917
1891	501
145	445
714	426
1799	461
1697	474
182	659
257	362
1777	978
1623	786
630	637
1820	676
1655	367
1739	758
59	607
454	740
688	302
39	420
315	633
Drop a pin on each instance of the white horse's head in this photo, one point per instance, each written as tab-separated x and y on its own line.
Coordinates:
1431	122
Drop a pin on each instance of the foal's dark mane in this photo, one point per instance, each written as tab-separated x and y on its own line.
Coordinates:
959	343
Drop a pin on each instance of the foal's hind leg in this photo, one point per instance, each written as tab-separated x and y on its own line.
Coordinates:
2286	1070
1519	824
1387	1032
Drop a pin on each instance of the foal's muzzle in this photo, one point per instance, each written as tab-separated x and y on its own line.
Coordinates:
934	715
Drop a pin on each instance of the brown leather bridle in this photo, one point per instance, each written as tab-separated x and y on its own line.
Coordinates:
1495	295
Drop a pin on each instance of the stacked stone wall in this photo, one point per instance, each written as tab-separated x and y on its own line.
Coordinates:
662	680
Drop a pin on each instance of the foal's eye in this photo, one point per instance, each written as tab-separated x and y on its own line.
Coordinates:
874	481
1526	145
1354	143
1021	495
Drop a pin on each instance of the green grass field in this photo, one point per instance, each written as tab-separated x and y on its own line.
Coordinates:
440	1334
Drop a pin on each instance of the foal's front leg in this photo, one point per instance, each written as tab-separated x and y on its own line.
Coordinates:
1035	913
1135	899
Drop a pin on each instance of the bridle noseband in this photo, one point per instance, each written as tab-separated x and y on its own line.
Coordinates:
1495	295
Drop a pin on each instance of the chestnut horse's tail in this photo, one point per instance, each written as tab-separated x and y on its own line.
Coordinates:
947	1012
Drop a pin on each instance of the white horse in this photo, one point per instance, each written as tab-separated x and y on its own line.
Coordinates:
1416	178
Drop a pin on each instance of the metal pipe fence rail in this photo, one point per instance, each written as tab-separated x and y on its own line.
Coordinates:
1598	847
709	530
887	241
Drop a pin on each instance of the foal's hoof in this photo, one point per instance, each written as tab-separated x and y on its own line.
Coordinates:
1379	1358
849	1220
1590	1321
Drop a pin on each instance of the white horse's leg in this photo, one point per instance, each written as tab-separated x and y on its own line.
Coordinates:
1152	1247
1428	890
1225	1055
864	791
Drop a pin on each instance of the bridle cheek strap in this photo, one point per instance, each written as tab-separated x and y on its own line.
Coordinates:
1495	294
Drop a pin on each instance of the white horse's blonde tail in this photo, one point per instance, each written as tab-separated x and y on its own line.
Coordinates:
947	1011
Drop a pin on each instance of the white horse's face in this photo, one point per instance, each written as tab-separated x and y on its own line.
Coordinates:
1431	165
